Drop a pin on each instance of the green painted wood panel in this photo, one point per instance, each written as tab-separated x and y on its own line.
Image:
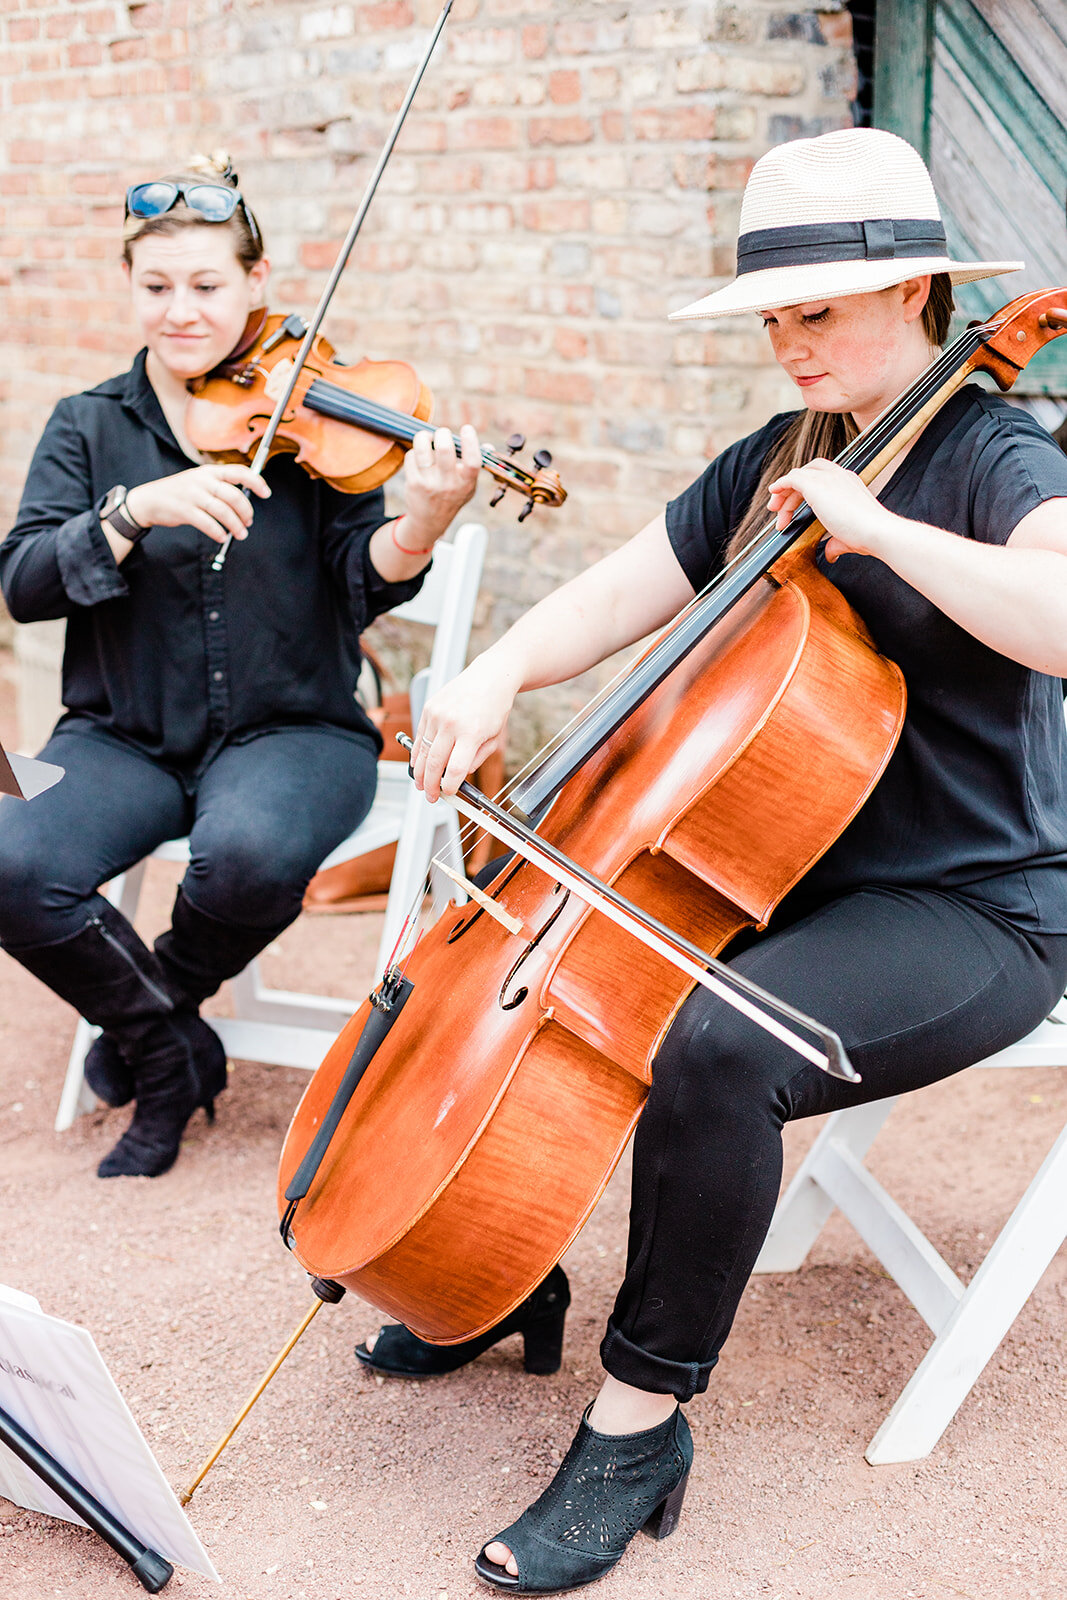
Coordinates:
980	87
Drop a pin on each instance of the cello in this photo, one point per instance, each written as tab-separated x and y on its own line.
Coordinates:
467	1119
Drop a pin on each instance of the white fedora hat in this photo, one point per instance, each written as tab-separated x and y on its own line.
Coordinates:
846	213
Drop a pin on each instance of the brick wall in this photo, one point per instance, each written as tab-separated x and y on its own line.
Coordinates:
571	171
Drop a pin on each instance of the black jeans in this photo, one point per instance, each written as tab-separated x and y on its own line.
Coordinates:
262	818
919	984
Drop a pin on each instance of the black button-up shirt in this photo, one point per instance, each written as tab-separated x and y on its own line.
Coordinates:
175	658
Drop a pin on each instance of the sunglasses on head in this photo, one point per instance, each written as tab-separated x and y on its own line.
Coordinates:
215	202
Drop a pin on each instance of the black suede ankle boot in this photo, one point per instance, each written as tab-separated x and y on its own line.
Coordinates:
178	1065
608	1487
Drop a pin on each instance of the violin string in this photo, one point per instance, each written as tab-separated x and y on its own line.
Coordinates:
358	409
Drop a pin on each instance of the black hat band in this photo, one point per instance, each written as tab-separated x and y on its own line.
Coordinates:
883	239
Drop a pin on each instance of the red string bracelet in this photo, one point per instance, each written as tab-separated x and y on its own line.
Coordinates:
403	547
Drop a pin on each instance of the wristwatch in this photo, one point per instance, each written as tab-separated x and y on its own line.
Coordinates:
114	513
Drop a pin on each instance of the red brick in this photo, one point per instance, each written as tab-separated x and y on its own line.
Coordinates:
564	88
569	215
85	53
560	130
128	49
534	41
390	14
571	344
106	20
19	29
484	133
565	387
679	123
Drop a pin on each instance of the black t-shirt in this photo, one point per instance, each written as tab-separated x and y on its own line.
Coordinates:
974	798
169	655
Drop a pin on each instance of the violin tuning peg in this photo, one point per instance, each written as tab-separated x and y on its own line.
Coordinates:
542	459
496	499
525	512
516	442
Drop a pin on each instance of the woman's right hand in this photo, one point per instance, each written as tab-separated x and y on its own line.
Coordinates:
462	723
209	498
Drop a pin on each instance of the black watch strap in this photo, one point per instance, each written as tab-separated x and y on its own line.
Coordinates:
113	512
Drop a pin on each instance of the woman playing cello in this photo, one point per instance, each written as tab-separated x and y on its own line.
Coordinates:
214	704
933	932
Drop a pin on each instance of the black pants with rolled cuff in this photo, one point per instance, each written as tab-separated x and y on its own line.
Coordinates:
918	983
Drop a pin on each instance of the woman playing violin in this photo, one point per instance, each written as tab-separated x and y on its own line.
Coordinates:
214	704
933	932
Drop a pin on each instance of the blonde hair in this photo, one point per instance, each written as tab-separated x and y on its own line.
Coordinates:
825	434
215	168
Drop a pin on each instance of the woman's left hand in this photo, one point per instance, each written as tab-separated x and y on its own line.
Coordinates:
437	482
856	522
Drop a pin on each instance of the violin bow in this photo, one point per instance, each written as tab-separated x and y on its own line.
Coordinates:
259	460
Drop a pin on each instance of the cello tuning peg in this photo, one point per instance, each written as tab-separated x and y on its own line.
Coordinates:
542	459
496	499
516	442
525	512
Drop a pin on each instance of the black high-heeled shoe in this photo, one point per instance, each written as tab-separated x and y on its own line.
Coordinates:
608	1487
181	1065
399	1353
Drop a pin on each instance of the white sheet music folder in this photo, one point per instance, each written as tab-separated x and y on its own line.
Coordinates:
54	1383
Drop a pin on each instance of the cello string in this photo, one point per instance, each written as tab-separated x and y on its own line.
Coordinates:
868	444
862	449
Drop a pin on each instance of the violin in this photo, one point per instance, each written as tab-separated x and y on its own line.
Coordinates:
349	425
467	1119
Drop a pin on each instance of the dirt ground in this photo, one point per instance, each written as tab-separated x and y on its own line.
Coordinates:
344	1487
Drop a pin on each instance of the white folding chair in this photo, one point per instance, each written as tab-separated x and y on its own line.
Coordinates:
968	1320
290	1029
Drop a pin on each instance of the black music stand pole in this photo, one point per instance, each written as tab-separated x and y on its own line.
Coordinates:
148	1567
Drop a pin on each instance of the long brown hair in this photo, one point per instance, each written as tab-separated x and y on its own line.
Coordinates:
825	434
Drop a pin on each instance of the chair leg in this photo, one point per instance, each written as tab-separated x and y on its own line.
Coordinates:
76	1097
803	1210
993	1299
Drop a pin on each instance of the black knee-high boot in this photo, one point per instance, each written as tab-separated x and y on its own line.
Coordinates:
175	1061
195	956
199	952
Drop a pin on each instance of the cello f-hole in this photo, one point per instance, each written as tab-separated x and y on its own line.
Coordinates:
509	1004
